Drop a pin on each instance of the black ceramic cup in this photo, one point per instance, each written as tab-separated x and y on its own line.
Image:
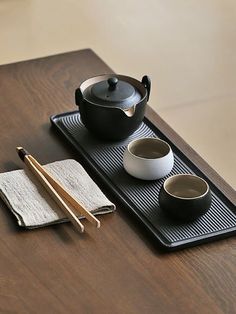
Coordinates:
185	197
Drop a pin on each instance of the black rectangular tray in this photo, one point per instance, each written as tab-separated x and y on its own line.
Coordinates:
141	197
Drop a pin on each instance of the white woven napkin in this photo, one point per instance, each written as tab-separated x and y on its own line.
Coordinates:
33	206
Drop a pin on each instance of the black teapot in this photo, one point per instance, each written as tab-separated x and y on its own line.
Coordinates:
112	106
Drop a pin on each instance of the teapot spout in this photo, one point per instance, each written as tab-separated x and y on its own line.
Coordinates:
129	112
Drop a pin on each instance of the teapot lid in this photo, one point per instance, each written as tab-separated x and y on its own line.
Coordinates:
114	92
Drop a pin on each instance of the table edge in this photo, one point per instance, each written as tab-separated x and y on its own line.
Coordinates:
177	140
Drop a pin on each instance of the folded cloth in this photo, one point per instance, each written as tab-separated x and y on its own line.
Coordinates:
32	204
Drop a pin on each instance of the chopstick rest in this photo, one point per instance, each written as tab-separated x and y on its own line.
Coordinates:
34	207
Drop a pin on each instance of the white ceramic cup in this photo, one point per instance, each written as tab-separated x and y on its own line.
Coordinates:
148	158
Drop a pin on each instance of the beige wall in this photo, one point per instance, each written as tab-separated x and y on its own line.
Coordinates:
188	47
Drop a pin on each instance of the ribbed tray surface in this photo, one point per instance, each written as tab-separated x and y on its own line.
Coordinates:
143	195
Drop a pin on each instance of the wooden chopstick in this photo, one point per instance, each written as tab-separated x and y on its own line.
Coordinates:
67	211
65	194
58	193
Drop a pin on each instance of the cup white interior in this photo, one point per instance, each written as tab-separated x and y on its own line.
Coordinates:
149	148
186	186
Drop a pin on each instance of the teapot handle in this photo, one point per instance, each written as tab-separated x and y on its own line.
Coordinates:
78	96
147	84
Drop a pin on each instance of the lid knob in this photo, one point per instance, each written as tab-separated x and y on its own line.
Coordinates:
112	81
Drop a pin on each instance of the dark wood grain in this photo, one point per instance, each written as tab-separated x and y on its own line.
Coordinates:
116	269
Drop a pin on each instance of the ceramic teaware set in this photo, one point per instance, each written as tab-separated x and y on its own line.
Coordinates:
112	107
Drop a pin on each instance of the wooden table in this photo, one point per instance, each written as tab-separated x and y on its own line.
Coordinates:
115	269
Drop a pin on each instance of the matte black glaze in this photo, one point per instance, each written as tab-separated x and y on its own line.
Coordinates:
111	124
184	209
108	119
113	92
147	83
141	198
112	82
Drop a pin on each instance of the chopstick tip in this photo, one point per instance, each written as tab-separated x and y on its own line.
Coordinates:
22	152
